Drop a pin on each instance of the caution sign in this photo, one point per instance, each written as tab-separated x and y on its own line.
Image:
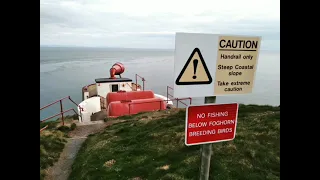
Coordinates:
195	71
236	64
226	64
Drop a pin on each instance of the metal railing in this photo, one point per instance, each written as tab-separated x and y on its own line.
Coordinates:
133	86
61	110
143	80
168	94
43	128
177	99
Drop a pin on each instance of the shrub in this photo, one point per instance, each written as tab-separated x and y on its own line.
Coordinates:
73	126
63	128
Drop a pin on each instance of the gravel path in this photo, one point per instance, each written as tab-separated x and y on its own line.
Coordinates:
62	169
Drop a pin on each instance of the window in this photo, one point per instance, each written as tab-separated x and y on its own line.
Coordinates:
114	87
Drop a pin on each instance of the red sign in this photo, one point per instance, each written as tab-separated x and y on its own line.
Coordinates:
210	123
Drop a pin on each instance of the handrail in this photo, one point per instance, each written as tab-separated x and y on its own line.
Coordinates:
143	80
131	87
73	101
61	108
177	99
53	103
59	114
58	101
43	128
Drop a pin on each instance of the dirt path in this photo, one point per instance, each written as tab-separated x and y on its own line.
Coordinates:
62	169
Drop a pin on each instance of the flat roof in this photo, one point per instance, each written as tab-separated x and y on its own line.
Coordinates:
106	80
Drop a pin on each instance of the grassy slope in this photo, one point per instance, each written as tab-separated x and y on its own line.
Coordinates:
154	149
52	142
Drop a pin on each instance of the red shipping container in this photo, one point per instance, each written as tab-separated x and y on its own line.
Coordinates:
128	96
118	108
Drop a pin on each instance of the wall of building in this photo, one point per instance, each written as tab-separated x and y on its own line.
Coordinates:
104	88
89	106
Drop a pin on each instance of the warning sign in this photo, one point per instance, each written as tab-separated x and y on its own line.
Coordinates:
210	123
214	64
195	71
236	64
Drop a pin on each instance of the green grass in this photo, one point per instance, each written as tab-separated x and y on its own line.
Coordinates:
128	117
52	141
155	149
52	124
51	145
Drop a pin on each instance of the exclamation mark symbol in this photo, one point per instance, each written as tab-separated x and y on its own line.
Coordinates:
195	64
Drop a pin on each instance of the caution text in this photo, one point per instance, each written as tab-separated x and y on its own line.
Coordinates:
236	62
238	44
235	56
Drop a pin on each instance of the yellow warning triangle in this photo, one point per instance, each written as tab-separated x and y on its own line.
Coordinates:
195	71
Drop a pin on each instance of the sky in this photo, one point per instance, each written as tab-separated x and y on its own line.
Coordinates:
153	23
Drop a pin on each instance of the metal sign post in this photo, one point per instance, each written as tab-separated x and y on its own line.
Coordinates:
206	149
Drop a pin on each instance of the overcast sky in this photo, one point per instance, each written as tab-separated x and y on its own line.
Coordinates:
153	23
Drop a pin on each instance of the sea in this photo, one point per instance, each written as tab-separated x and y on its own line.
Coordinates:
65	70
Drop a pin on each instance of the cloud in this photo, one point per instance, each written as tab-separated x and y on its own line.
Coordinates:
152	24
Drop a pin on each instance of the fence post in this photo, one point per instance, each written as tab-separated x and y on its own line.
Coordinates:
142	84
177	102
61	109
136	82
167	94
